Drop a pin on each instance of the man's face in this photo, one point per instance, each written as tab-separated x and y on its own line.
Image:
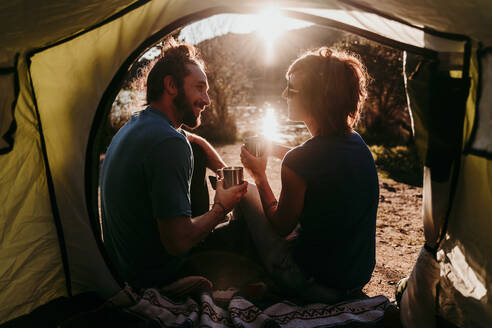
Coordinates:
192	98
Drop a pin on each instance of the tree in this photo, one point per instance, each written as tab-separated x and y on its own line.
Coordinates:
386	115
230	85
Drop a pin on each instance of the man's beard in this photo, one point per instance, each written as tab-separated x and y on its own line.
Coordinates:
185	108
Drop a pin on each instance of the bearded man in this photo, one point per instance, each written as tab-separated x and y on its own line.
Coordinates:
148	224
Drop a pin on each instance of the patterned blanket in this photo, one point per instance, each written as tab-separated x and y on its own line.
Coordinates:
202	311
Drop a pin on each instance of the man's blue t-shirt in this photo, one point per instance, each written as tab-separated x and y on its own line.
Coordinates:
336	240
146	175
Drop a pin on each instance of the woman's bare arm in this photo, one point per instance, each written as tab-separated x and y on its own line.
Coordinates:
284	215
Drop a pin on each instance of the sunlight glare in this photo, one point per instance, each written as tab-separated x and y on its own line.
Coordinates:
270	125
270	24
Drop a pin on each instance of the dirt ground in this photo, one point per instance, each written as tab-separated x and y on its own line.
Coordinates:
399	230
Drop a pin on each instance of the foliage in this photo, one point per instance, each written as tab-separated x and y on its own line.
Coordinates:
126	103
385	116
400	163
229	84
238	76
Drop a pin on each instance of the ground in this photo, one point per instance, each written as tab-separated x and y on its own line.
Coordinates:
399	230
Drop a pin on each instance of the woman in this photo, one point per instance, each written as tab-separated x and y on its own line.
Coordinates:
330	187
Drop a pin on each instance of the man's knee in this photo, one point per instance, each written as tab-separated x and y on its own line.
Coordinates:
200	200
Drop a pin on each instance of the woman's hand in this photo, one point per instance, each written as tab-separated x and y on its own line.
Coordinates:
255	166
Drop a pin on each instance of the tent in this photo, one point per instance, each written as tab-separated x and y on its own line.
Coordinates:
63	62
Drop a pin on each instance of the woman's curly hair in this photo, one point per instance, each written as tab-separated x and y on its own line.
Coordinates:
333	88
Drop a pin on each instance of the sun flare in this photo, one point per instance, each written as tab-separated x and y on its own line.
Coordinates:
270	125
270	24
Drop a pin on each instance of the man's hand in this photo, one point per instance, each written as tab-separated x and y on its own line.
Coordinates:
255	166
229	197
180	234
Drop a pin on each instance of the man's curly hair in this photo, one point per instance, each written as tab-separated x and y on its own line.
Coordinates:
173	61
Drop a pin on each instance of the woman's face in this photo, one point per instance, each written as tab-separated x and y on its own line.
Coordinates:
291	94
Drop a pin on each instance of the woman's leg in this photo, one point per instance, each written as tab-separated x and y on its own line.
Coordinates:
271	248
274	252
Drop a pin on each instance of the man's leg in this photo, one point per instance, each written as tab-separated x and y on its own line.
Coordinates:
200	200
226	257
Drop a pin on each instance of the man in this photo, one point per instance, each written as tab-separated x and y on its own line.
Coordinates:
145	182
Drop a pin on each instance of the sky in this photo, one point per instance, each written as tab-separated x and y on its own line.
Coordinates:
269	24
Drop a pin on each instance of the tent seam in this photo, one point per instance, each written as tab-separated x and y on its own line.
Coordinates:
459	152
119	14
51	188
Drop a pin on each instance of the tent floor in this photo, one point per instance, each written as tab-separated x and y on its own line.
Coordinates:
82	310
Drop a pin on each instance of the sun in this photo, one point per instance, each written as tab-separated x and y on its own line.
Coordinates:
270	24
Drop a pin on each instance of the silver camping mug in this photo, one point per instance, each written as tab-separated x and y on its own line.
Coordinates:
232	175
255	145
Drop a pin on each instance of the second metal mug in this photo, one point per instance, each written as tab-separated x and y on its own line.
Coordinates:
255	145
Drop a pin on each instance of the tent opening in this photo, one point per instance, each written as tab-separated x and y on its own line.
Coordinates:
246	69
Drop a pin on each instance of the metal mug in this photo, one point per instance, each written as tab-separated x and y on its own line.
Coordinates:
255	145
232	175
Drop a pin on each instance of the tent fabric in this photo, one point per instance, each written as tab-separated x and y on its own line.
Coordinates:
482	138
388	28
31	272
470	18
69	131
437	106
466	266
70	80
465	280
30	24
418	300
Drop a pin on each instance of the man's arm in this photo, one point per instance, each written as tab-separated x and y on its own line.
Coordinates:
214	161
179	234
